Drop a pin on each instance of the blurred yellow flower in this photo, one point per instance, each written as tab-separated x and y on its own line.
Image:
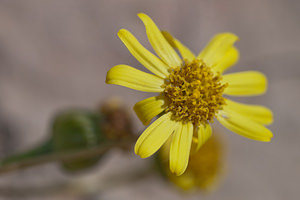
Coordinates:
191	93
205	168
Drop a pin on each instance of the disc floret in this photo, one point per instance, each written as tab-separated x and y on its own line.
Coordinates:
194	92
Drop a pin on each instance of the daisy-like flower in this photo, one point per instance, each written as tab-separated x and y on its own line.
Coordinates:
191	93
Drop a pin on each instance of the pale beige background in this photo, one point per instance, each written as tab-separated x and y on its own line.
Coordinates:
56	53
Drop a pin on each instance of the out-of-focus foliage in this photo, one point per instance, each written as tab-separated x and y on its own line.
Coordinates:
77	131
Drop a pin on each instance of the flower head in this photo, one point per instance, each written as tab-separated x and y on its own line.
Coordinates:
191	93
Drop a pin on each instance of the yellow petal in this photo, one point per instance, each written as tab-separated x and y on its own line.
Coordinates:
245	83
159	43
180	148
244	126
145	57
204	132
174	151
149	108
230	59
256	113
155	136
184	51
216	49
130	77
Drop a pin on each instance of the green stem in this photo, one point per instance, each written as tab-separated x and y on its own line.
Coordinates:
41	156
40	150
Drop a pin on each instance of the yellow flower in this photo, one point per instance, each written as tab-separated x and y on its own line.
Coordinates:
205	169
191	93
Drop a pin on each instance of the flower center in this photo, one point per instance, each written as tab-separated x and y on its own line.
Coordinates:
194	93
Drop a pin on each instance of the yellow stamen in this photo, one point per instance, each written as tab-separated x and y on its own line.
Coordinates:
194	92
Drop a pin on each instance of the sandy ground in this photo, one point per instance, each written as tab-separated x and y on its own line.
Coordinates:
55	54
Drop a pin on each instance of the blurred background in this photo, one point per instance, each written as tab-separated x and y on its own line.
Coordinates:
55	55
